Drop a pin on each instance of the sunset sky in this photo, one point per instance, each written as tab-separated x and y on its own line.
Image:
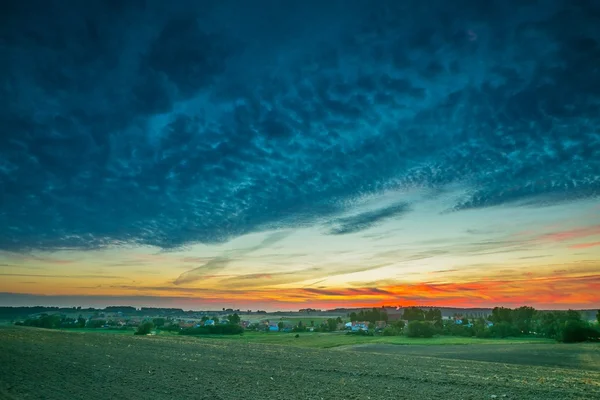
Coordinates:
284	155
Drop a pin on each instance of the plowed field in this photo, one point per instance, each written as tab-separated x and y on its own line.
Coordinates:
41	364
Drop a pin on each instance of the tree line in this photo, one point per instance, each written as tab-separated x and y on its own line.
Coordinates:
563	326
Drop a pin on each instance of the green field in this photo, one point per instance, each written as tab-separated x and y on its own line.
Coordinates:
325	340
331	340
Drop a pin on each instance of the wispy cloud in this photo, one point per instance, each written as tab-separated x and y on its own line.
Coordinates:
571	234
216	264
368	219
585	245
220	262
64	276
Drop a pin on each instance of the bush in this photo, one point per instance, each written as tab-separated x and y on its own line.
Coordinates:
145	328
43	321
454	329
420	329
578	331
174	327
95	323
392	331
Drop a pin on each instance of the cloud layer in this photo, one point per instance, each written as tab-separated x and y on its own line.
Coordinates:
142	123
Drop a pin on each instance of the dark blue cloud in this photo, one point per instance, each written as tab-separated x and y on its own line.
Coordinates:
140	123
365	220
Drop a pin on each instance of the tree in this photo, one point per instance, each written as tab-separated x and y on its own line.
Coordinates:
578	331
280	325
503	329
145	328
339	319
433	314
400	324
420	329
204	318
234	319
158	322
413	314
501	314
353	316
95	323
331	324
573	315
598	316
481	329
523	318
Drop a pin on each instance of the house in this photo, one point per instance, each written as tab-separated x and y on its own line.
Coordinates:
273	328
395	315
357	326
210	322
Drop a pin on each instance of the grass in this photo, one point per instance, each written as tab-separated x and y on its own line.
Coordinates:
330	340
327	340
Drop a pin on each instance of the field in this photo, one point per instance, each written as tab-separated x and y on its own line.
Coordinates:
38	364
331	340
580	356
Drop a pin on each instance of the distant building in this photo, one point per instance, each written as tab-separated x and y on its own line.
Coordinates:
357	326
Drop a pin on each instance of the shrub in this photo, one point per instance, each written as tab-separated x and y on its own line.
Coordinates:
578	331
391	331
145	328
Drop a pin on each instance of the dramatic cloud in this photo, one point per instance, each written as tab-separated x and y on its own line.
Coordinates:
142	123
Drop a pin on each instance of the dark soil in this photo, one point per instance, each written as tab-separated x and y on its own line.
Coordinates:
41	364
575	356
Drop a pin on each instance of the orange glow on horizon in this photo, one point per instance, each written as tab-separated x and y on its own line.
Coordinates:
541	292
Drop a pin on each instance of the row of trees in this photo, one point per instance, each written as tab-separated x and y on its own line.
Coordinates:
373	315
225	329
56	321
564	326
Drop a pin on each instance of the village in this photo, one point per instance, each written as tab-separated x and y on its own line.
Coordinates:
360	321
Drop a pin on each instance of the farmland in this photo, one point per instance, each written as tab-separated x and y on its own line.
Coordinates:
333	340
36	363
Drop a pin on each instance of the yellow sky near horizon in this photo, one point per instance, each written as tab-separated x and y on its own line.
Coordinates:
506	253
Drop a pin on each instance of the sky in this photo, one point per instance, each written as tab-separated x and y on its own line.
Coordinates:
283	155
